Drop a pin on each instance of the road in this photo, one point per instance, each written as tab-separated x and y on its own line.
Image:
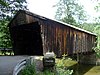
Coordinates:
7	63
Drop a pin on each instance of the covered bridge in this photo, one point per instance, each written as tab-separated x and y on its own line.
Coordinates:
32	34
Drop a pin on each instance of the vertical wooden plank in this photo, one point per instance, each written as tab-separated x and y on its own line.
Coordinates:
52	41
52	36
89	47
54	47
91	43
74	42
49	36
71	40
86	43
56	39
42	35
68	36
46	36
65	40
77	47
80	42
64	35
61	40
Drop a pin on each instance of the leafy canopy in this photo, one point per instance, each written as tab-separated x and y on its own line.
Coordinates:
7	10
70	11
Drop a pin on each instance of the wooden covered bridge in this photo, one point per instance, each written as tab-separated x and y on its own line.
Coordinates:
32	34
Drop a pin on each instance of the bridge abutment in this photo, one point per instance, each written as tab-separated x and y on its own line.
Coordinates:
87	59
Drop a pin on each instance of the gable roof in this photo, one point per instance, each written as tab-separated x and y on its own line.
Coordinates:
45	18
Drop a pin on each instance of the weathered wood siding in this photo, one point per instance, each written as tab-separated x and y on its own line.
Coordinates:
60	38
63	39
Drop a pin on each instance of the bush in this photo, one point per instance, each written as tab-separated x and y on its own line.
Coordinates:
29	70
59	70
97	51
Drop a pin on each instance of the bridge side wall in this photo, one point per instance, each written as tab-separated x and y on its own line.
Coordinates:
58	37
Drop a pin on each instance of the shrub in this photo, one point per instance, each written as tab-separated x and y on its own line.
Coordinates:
97	51
29	70
59	70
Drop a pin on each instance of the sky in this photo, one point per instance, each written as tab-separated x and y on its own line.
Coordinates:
45	8
89	6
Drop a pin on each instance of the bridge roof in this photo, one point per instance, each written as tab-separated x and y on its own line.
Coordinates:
46	19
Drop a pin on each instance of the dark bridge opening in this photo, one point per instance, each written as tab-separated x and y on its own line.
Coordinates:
27	39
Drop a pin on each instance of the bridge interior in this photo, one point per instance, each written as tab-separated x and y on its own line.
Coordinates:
27	39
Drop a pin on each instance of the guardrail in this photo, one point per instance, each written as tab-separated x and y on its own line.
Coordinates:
19	67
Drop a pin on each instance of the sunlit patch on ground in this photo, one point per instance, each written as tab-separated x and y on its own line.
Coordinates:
94	71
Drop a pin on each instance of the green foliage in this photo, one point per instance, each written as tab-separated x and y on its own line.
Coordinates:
88	26
7	10
5	41
3	3
64	72
69	20
29	70
70	11
97	50
65	62
97	7
97	31
11	8
48	72
59	71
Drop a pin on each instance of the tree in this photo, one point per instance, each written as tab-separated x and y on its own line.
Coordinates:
70	11
10	7
97	22
7	10
3	3
97	29
97	8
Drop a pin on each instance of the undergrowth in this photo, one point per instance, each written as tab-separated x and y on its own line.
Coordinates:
60	69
